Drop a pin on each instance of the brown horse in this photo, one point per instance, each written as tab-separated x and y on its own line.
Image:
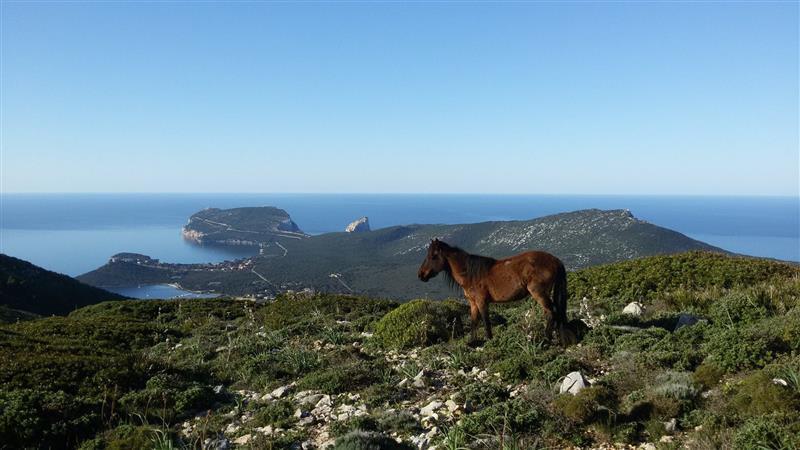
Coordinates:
485	280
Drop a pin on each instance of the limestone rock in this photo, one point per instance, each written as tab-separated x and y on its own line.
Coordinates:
430	408
573	383
634	309
359	226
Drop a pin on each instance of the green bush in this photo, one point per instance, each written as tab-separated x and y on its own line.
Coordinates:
516	415
359	423
278	414
334	380
300	313
708	375
591	404
123	437
168	397
744	347
676	385
757	395
421	323
766	432
650	277
365	440
741	307
482	394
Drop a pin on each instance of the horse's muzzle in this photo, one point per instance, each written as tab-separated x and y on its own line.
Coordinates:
424	277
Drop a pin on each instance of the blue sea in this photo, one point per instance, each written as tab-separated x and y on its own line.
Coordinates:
75	233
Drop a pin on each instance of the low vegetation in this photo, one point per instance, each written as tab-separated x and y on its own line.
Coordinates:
358	373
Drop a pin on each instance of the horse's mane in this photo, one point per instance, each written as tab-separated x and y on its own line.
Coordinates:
475	267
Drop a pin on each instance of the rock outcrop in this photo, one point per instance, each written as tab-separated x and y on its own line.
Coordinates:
359	226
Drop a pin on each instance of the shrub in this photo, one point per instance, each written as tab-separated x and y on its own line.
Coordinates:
359	423
742	348
399	422
515	415
421	323
676	385
589	405
743	307
766	433
364	440
757	395
298	312
337	379
708	374
123	437
483	394
279	414
168	397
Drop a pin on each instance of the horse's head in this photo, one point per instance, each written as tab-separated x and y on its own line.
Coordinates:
435	261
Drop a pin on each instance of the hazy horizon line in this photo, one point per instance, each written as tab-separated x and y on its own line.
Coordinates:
519	194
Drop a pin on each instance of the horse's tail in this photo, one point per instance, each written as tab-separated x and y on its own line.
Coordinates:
560	295
566	334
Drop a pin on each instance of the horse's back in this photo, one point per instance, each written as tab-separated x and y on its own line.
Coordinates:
533	265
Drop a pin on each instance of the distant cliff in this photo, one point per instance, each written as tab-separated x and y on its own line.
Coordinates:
241	226
383	262
358	226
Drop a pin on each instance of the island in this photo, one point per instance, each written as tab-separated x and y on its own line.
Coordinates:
241	226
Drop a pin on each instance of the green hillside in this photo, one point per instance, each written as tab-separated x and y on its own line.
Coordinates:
384	262
26	287
350	372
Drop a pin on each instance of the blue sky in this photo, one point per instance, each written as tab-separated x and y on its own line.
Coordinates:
553	98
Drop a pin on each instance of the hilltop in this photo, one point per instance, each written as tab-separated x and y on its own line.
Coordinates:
26	288
711	362
241	226
383	262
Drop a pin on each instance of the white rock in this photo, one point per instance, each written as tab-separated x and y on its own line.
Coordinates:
265	430
671	425
280	392
430	408
634	309
306	421
451	405
779	381
402	382
324	401
310	399
242	440
573	383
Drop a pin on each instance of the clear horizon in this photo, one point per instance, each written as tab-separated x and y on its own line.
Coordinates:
666	99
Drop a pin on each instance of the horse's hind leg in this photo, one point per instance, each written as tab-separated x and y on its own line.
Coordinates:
546	303
474	314
483	308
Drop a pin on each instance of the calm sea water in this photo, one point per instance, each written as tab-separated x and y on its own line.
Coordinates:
75	233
